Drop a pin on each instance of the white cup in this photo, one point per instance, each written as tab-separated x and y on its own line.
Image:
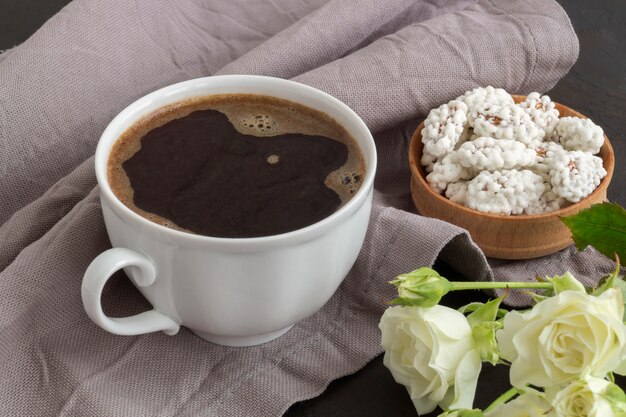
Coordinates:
234	292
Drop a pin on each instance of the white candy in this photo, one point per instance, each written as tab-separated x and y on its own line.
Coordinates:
507	122
548	154
457	192
504	192
479	96
576	175
446	171
467	134
542	112
443	128
548	202
428	161
485	153
579	134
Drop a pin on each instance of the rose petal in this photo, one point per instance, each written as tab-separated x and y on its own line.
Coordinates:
465	380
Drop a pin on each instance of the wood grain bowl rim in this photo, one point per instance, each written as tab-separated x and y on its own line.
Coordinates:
419	174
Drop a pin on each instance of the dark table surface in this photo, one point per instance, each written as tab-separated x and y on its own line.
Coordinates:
595	86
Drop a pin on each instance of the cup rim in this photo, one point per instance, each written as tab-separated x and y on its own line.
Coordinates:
133	112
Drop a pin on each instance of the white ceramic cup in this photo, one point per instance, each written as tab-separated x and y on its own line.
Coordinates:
235	292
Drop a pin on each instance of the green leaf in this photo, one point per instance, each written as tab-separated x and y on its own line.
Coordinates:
537	298
610	281
602	226
616	397
471	307
613	280
484	335
482	320
566	282
486	312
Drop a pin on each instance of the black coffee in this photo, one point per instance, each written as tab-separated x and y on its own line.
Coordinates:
235	166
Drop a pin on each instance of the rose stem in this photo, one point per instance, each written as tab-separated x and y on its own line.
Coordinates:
503	398
462	285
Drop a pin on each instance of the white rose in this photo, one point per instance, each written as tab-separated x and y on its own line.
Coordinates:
432	353
526	405
563	337
591	397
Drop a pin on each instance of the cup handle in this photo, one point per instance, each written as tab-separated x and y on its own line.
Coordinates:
96	276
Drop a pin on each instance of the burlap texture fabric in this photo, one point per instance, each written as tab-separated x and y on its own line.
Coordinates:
390	61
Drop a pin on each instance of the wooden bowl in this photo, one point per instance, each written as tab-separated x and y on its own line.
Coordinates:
502	236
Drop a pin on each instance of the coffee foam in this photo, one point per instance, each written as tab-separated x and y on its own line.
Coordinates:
257	115
257	124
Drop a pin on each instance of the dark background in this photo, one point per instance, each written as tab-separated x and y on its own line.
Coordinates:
596	86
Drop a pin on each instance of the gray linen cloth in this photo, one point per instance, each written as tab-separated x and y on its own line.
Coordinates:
390	61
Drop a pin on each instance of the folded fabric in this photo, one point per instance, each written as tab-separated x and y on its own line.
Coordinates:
390	61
